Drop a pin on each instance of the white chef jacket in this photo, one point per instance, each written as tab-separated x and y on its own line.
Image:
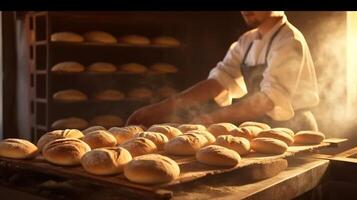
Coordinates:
289	79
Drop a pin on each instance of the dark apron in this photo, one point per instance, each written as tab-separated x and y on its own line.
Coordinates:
253	75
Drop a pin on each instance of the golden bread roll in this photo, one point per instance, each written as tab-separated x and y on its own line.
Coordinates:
286	130
166	41
123	134
309	137
218	156
66	151
167	130
107	121
17	148
106	161
158	138
69	95
191	127
93	128
221	129
140	93
246	132
210	138
186	144
66	37
151	169
166	91
163	68
276	134
102	67
172	124
70	123
58	134
68	67
239	144
268	145
99	36
139	146
99	139
134	40
258	124
109	95
135	68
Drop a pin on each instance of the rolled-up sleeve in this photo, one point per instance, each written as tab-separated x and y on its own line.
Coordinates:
228	74
284	76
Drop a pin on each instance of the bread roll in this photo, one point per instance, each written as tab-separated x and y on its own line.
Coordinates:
221	129
107	121
66	151
276	134
58	134
93	128
218	156
268	145
166	91
68	67
210	138
100	138
140	93
163	68
66	37
134	40
191	127
17	148
258	124
139	146
238	144
158	138
70	123
286	130
166	41
100	36
172	124
133	68
106	161
167	130
69	95
248	132
309	137
151	169
102	67
109	95
124	134
186	144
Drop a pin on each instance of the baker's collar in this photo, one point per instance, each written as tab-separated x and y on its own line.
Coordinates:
270	33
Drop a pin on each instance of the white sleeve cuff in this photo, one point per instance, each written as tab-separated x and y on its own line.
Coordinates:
235	87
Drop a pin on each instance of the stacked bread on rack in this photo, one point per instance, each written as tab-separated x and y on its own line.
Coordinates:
145	155
103	37
107	67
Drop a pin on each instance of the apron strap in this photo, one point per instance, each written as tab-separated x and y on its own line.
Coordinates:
271	41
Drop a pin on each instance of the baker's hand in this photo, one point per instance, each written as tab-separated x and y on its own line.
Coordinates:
204	119
151	114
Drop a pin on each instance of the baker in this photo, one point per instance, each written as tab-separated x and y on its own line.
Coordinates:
266	76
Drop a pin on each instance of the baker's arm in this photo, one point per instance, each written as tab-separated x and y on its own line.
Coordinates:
159	112
248	108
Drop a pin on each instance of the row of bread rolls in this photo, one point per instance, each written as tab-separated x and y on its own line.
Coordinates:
107	38
72	95
215	145
98	153
80	124
105	67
